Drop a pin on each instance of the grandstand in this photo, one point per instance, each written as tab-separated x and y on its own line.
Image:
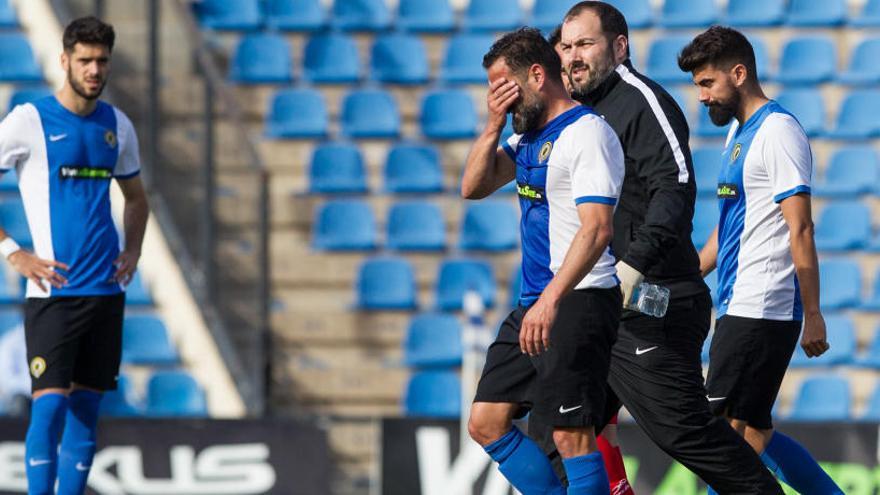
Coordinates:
311	248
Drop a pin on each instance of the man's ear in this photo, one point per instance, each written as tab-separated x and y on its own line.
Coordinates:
619	47
537	75
65	60
740	74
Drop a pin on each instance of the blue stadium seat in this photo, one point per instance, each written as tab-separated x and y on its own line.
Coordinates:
416	226
707	345
121	403
8	19
822	398
262	58
705	220
463	61
331	58
682	99
136	293
638	13
400	59
662	63
175	394
386	283
492	15
852	170
457	276
841	336
344	225
807	60
816	13
14	221
337	168
433	394
448	114
857	118
9	182
869	16
705	127
297	113
762	57
27	94
490	225
755	13
547	14
871	357
10	294
515	288
707	166
864	64
843	225
872	411
841	282
17	61
688	13
228	15
10	319
433	340
361	15
295	15
370	113
425	16
413	168
146	341
807	105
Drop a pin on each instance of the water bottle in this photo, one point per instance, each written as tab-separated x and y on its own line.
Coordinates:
649	299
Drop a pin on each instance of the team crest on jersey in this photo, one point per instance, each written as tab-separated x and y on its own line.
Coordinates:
546	148
38	366
110	139
735	153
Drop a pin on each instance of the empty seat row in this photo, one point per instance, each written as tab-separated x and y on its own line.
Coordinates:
338	167
170	393
344	225
17	60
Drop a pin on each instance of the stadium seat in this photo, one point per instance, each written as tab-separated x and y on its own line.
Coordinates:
869	15
515	286
547	14
17	61
688	13
337	168
433	340
662	63
807	60
261	59
842	337
175	394
297	113
492	15
755	13
822	398
416	226
843	225
413	168
864	64
399	58
425	16
463	61
331	58
852	170
228	15
27	94
638	13
295	15
8	19
872	410
871	357
370	113
121	403
145	341
448	114
873	302
490	225
762	58
841	283
682	99
707	129
344	225
816	13
361	15
10	319
386	284
707	166
136	293
12	287
14	221
705	220
807	105
457	276
857	118
433	394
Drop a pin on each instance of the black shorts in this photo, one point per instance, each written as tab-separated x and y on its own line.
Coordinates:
747	362
74	340
565	385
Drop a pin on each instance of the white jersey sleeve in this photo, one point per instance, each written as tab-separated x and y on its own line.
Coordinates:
510	145
787	156
14	132
128	164
596	158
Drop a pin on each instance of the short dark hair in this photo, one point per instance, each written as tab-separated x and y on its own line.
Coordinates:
555	36
613	21
88	30
719	46
521	49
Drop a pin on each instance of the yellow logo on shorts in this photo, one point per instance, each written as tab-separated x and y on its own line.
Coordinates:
735	153
110	138
38	366
545	151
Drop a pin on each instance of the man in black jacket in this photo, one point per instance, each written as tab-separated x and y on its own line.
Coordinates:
656	370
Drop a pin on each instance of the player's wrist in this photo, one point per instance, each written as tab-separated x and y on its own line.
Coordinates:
8	247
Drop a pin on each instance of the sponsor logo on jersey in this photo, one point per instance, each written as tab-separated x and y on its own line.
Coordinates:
74	172
529	192
546	148
728	191
38	366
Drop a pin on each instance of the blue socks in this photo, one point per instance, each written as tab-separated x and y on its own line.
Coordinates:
586	475
794	466
78	442
41	443
525	465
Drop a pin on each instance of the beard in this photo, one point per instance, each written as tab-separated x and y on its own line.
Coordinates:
82	91
722	112
527	115
595	76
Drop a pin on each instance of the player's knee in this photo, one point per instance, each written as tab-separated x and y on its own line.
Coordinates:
573	442
485	427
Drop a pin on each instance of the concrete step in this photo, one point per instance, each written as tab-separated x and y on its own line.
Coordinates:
348	328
